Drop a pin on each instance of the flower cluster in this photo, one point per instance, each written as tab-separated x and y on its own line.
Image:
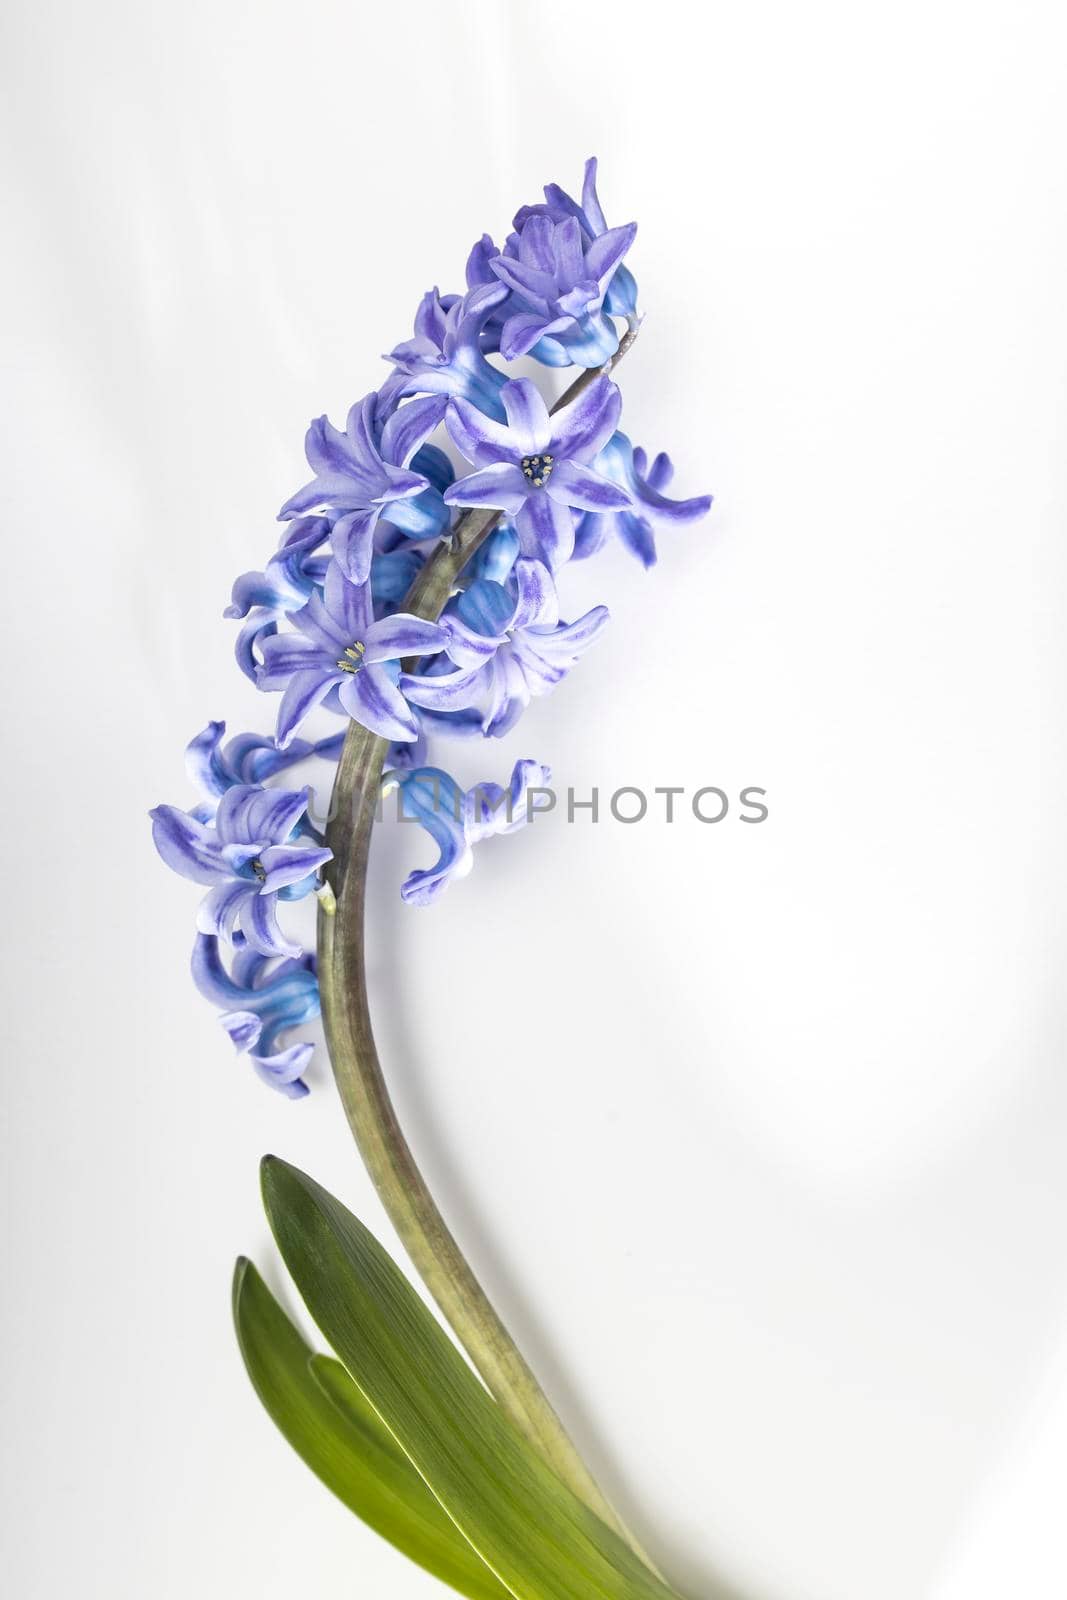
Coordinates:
325	625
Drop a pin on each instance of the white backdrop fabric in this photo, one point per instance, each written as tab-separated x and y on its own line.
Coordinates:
756	1134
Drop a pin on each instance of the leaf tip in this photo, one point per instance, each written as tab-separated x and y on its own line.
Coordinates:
242	1268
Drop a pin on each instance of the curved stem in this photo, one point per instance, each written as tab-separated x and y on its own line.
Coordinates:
372	1118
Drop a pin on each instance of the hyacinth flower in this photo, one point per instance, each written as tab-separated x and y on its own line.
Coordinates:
340	651
362	475
638	524
247	758
620	299
508	646
247	859
457	820
262	998
445	354
535	466
296	568
559	277
291	573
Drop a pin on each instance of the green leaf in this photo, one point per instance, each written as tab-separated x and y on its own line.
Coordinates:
539	1539
331	1426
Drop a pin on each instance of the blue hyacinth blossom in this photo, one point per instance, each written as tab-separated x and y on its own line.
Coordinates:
295	569
340	651
559	278
620	299
261	999
362	475
651	510
445	354
508	645
247	758
457	820
248	858
536	466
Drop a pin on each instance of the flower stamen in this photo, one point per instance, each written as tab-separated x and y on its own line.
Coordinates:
259	869
537	468
352	659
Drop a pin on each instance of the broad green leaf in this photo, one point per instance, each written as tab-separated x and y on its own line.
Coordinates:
539	1539
331	1426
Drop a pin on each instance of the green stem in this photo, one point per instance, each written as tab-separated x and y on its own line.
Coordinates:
371	1116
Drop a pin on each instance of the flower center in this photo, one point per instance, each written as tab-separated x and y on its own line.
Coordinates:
538	469
352	659
258	868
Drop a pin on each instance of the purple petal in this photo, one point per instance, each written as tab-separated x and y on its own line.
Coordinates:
605	253
259	924
536	599
243	1027
318	624
580	430
527	416
249	814
321	494
446	691
509	694
286	653
571	266
566	643
352	542
304	691
501	484
329	452
521	332
468	648
532	284
350	605
219	909
187	846
398	483
409	427
575	484
546	530
290	863
203	760
659	473
283	1070
478	262
536	244
359	426
636	534
210	976
590	199
403	635
481	440
585	296
663	510
371	698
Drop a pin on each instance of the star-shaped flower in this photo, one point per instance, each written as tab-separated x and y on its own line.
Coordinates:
261	998
246	758
458	820
638	524
508	645
339	650
445	355
247	858
362	475
536	466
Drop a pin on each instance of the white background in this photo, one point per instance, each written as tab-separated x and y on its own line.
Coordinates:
756	1134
